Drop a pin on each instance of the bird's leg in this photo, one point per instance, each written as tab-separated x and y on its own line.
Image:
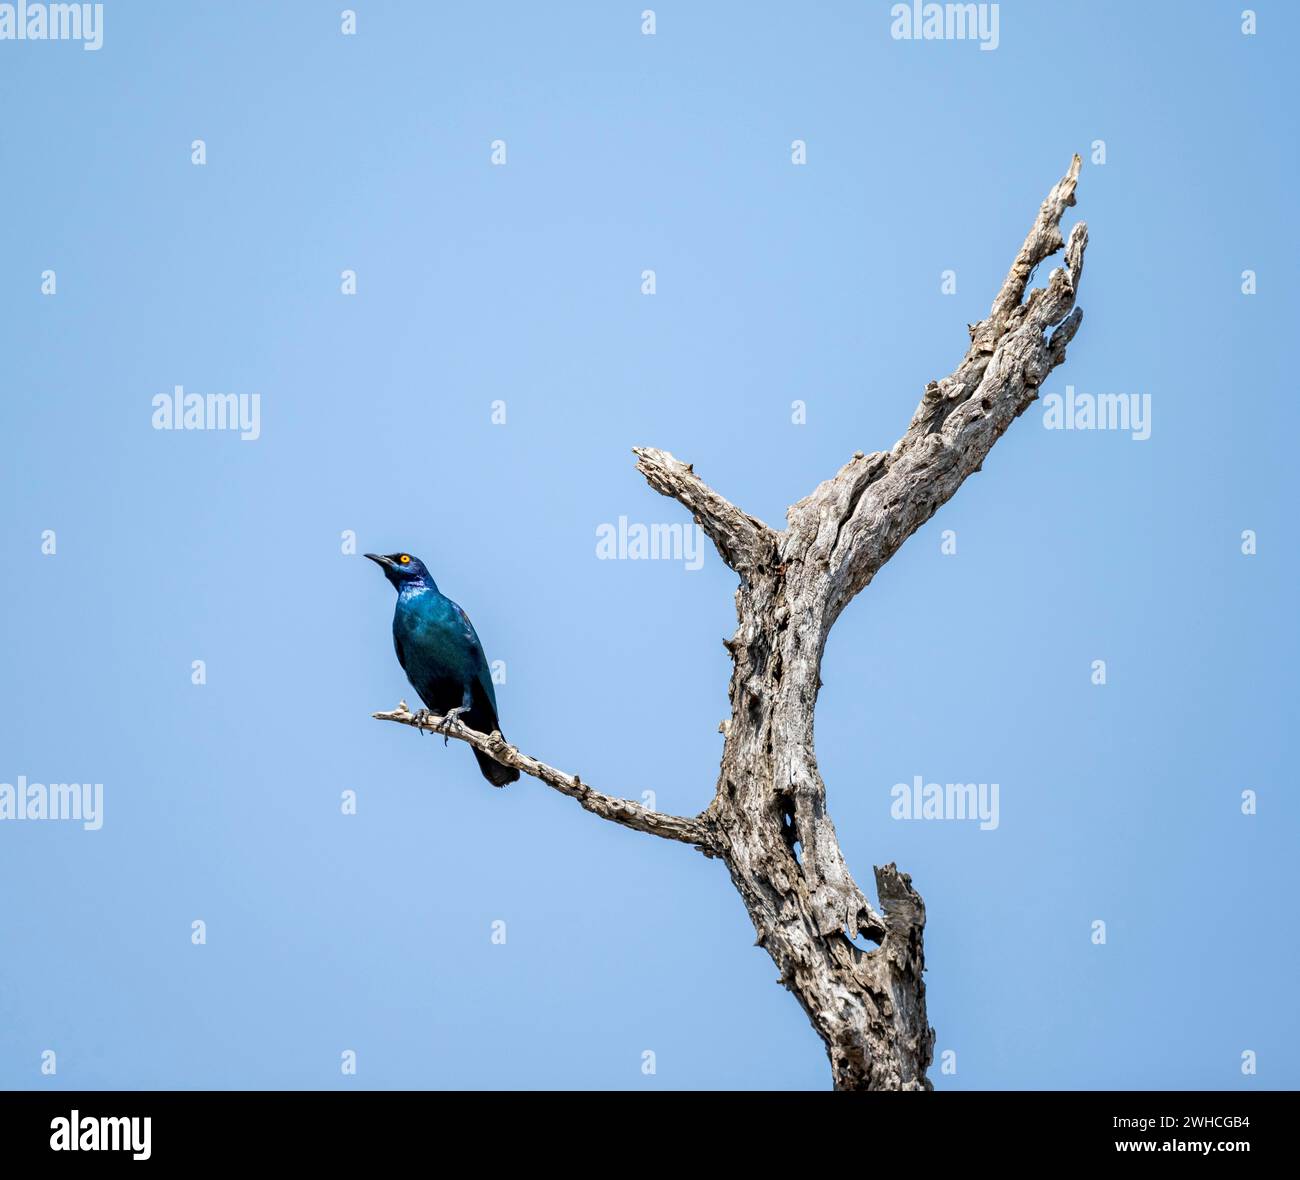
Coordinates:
450	716
421	718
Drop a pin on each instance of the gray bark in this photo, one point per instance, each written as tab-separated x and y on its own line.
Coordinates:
768	820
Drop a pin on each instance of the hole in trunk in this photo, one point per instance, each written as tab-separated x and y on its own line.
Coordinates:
790	831
862	942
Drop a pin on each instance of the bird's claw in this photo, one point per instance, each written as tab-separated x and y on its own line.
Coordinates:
450	716
421	717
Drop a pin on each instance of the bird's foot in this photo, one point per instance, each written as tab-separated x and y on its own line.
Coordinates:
421	718
450	716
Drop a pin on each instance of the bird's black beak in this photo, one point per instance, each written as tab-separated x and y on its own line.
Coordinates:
382	562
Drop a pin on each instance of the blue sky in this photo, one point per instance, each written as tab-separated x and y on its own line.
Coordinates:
522	283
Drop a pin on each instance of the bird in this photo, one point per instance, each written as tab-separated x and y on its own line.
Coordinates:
440	652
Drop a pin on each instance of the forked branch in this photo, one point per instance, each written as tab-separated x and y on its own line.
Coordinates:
856	521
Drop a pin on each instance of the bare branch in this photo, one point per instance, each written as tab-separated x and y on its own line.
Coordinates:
1044	308
853	523
610	807
1043	240
744	542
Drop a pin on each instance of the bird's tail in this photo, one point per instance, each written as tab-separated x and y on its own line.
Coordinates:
495	773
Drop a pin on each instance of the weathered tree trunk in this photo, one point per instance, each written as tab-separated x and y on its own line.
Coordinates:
770	825
768	820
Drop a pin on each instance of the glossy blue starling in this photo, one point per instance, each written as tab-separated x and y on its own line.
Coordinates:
440	652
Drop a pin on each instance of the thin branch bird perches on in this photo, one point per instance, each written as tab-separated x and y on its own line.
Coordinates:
610	807
868	1006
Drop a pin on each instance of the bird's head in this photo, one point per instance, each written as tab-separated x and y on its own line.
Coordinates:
401	568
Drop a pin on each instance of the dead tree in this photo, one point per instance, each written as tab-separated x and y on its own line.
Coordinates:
868	1006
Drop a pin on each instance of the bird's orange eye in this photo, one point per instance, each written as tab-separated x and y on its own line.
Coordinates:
405	559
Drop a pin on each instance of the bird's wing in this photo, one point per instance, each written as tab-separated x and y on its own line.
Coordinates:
482	673
483	711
